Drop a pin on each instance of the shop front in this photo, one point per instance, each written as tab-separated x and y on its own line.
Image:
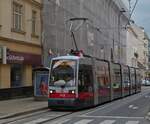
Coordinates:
16	75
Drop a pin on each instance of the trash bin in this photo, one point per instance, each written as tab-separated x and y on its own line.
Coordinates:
40	82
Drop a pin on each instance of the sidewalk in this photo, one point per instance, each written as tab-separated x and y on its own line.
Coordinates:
13	107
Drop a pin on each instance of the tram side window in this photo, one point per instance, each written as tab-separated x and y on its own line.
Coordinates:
126	77
116	75
102	75
138	78
85	80
132	77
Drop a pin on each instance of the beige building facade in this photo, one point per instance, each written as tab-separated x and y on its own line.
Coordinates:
20	41
137	47
132	47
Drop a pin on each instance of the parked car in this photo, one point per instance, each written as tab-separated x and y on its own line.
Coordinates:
147	83
143	82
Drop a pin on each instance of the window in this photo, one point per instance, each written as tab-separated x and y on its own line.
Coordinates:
102	75
126	79
63	73
17	16
116	76
16	75
132	76
34	14
85	78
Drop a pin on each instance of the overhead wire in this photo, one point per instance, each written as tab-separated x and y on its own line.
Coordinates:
132	12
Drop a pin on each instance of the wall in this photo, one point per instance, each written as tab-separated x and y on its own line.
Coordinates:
4	76
19	42
132	47
104	14
27	72
6	22
137	42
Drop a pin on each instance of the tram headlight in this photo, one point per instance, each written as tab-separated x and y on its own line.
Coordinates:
51	91
73	92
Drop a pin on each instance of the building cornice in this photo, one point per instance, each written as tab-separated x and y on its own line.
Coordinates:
121	6
35	3
19	41
132	30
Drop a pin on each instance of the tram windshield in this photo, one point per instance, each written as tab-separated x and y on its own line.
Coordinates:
63	73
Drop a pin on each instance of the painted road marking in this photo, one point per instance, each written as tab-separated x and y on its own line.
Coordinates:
131	106
135	107
148	113
84	121
108	122
147	96
131	98
60	122
37	121
115	117
132	122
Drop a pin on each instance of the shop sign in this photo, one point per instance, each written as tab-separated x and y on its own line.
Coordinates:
23	58
15	58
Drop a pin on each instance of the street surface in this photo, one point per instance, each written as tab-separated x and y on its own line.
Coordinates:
129	110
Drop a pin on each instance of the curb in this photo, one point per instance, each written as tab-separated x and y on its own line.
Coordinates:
21	113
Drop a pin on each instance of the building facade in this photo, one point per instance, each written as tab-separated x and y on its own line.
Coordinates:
102	34
20	41
132	47
149	54
137	45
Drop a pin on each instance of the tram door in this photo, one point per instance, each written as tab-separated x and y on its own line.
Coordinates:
133	81
126	80
85	85
138	81
103	80
116	81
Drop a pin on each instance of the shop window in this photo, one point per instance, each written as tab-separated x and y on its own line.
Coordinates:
16	75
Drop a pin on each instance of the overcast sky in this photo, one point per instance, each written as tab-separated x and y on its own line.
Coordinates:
141	14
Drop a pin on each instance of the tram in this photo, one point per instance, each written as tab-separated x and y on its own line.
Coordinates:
80	82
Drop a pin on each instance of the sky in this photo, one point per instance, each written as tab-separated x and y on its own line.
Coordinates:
141	13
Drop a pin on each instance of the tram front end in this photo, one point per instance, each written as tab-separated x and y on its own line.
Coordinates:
63	91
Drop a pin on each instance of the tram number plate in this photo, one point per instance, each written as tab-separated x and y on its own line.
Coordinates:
60	102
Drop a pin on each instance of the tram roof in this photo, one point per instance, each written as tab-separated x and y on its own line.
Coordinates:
67	57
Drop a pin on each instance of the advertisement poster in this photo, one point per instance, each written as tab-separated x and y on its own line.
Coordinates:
41	84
